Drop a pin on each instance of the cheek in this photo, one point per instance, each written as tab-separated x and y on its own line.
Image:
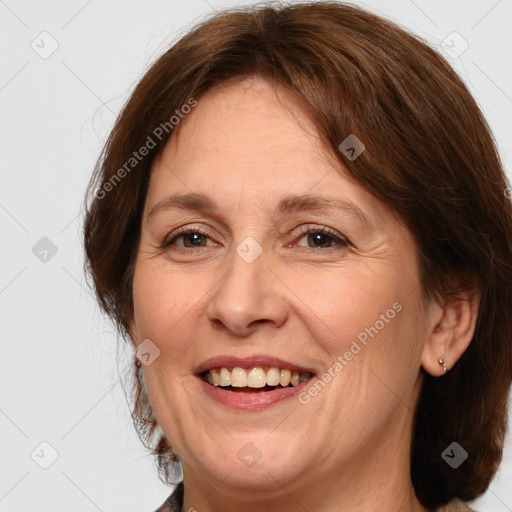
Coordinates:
351	307
162	304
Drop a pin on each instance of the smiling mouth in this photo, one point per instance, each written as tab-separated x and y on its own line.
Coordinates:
255	379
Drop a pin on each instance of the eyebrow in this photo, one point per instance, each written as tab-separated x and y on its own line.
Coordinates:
288	204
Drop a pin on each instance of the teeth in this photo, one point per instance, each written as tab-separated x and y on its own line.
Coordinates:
238	378
284	377
304	377
214	374
225	377
273	377
255	377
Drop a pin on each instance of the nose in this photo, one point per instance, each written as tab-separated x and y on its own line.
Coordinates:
248	294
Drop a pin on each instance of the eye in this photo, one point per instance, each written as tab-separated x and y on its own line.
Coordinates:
192	238
195	238
322	236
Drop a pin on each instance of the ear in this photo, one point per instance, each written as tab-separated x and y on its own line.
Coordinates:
451	328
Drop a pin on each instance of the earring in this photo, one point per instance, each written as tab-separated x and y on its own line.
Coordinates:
440	360
138	364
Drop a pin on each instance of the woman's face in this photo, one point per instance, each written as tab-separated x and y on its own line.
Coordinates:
260	295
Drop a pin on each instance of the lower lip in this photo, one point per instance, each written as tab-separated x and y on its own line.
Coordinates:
251	401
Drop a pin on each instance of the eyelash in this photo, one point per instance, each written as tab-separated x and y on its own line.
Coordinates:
305	229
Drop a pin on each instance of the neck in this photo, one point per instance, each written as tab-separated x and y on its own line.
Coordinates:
314	495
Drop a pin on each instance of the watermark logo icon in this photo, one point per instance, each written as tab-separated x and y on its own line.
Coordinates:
249	455
44	250
44	455
352	147
44	45
249	249
454	455
147	352
454	45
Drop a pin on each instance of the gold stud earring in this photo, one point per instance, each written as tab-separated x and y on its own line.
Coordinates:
441	362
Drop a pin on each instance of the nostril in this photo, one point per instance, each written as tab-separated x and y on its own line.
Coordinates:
259	321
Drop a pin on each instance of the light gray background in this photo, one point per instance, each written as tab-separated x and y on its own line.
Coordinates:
60	372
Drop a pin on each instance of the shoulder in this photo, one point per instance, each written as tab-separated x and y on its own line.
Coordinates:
455	506
174	502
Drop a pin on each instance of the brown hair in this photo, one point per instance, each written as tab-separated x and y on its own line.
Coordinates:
429	156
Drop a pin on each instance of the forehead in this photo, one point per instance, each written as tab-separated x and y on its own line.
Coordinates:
250	142
248	123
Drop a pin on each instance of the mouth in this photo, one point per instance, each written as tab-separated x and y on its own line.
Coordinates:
252	383
255	379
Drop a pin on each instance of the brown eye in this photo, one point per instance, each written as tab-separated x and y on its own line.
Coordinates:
319	238
323	238
195	239
192	238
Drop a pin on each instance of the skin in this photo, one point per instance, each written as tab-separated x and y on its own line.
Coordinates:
246	145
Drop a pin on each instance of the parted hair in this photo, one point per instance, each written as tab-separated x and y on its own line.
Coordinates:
430	156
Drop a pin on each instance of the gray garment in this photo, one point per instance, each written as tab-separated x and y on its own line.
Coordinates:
174	503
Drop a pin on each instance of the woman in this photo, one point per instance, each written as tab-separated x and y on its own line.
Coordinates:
300	223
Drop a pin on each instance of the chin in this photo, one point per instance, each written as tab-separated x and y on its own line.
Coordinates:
250	461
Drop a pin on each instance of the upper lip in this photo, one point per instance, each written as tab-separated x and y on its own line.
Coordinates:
250	362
